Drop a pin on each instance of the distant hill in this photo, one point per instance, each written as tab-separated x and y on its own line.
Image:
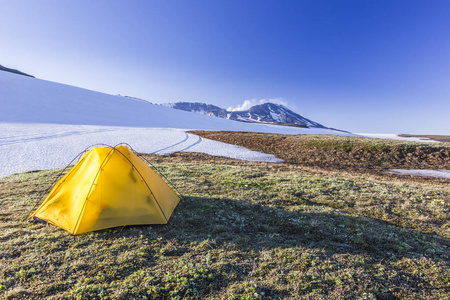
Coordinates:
263	113
2	68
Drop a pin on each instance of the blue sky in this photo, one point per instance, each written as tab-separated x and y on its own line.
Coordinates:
364	66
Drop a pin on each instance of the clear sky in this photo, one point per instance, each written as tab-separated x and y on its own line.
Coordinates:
364	66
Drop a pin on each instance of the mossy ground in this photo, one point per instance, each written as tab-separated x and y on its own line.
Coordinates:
243	231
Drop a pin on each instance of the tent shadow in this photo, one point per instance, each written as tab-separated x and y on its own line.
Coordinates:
252	226
241	227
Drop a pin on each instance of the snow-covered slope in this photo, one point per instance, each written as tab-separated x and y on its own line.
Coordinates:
31	100
45	124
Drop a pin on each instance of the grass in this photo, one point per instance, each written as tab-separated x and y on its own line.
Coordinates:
243	231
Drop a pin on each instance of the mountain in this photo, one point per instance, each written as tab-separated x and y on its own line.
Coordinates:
202	108
263	113
273	113
2	68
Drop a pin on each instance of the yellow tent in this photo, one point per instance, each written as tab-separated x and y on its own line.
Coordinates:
108	187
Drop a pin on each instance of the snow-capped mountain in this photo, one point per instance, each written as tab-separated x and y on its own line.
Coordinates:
262	113
273	113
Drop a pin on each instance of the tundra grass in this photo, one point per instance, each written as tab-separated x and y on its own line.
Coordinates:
239	233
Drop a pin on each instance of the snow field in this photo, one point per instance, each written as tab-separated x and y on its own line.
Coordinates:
26	147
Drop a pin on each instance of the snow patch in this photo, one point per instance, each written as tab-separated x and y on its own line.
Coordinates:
393	136
169	105
276	117
426	173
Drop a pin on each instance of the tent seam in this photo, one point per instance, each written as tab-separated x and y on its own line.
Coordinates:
146	184
90	189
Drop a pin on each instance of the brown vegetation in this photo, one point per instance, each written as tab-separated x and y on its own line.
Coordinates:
340	153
